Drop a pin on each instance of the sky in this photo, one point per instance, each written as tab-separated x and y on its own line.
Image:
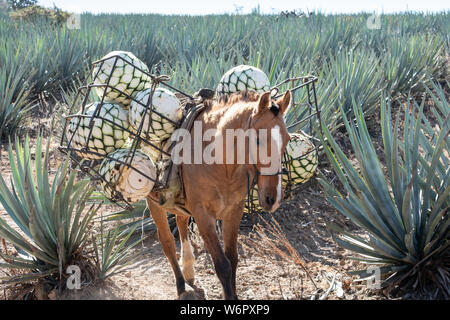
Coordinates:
199	7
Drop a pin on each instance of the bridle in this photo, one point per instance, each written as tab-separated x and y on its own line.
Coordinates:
257	173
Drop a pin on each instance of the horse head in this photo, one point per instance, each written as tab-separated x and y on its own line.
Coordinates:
267	147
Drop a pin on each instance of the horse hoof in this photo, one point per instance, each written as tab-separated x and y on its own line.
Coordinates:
188	295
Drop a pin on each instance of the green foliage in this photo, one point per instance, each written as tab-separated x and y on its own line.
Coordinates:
20	4
356	76
354	65
113	250
409	61
33	13
405	214
348	76
349	58
14	97
51	225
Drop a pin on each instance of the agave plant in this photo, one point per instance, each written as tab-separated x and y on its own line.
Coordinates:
51	223
113	250
406	214
14	97
271	43
116	248
356	75
408	61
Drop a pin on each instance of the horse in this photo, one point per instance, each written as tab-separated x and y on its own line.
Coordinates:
217	191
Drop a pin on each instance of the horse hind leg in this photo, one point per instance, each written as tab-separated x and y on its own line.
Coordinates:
187	257
168	243
207	227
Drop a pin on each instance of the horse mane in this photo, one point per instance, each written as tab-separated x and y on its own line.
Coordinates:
232	98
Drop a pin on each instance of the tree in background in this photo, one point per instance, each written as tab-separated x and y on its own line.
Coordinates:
20	4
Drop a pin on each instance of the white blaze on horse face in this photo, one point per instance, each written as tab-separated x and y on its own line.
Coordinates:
275	162
279	142
278	201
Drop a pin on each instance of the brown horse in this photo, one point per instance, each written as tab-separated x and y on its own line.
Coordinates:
217	191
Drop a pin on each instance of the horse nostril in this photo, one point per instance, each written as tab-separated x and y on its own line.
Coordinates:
270	201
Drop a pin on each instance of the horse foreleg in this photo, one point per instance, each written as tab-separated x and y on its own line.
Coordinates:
167	242
207	227
230	234
187	257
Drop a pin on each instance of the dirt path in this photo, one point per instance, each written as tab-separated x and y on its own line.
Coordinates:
261	274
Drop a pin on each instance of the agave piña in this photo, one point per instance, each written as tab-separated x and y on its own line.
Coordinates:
302	159
130	174
155	127
107	134
120	70
243	78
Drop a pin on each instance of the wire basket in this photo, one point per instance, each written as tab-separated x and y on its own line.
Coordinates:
87	156
304	112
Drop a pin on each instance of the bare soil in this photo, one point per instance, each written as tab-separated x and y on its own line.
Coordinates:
261	274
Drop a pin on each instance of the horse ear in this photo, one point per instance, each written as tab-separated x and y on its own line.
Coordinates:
264	101
284	102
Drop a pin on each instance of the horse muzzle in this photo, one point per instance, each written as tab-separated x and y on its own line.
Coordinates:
269	203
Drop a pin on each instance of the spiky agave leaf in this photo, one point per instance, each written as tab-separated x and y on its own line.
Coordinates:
408	61
406	215
356	75
51	225
14	99
115	249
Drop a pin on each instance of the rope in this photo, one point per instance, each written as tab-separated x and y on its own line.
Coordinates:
158	79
